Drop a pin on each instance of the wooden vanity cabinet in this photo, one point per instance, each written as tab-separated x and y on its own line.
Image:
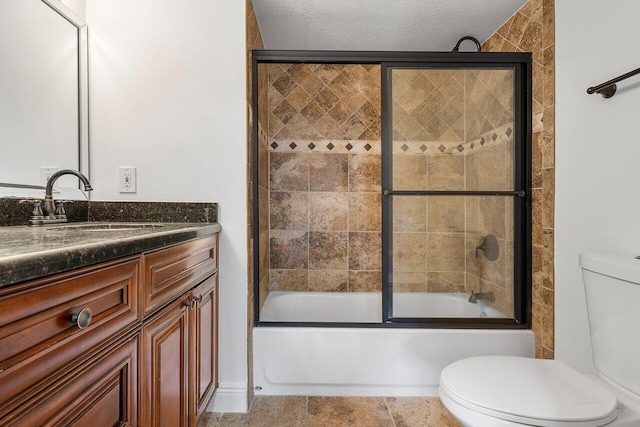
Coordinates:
53	369
179	340
148	357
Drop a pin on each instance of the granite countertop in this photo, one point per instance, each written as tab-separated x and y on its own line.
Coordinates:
31	252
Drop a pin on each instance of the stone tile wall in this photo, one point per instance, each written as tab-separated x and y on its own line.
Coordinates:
531	29
324	181
325	221
299	124
324	192
453	130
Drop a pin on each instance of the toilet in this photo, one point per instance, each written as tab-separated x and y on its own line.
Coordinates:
495	391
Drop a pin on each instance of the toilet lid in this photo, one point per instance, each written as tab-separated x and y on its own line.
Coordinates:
533	391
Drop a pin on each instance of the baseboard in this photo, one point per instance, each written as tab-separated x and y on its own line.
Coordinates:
229	397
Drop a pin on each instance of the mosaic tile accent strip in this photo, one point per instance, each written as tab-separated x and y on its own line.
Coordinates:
326	146
431	148
494	137
427	148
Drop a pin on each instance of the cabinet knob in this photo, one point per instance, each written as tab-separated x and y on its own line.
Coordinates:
83	318
191	302
198	298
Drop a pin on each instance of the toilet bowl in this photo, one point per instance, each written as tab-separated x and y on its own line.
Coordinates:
495	391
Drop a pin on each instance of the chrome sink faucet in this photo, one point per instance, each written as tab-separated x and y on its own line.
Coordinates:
485	296
52	211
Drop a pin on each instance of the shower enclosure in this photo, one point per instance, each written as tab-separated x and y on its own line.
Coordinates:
392	189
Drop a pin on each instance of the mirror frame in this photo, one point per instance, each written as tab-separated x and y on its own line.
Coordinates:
25	190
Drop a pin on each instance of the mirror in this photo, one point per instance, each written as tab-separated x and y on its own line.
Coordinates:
43	97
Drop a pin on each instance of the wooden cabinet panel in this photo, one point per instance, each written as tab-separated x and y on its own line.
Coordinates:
204	375
37	337
100	391
122	368
165	361
173	271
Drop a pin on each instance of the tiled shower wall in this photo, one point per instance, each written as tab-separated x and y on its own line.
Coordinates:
453	130
531	29
324	177
324	195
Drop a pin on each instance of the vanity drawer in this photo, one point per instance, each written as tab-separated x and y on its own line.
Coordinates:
171	271
37	336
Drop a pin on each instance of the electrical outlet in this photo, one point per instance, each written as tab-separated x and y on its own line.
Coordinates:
127	180
45	174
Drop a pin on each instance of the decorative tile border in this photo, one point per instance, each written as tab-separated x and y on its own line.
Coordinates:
494	137
427	147
326	146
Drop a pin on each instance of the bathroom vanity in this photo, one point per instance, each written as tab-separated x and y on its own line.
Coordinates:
108	325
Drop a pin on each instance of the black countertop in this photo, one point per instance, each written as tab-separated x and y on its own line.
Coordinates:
31	252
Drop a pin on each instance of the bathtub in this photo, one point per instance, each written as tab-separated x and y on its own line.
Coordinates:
366	307
384	361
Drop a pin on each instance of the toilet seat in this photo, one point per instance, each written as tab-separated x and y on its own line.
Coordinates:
528	391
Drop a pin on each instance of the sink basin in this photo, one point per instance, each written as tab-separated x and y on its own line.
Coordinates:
105	227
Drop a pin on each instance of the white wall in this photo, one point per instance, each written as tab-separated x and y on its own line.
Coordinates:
167	95
597	155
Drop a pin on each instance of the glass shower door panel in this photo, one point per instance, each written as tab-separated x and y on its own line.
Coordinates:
453	256
442	118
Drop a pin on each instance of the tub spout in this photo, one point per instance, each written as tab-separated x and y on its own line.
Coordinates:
485	296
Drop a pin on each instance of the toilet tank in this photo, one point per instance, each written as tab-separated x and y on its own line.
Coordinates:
612	287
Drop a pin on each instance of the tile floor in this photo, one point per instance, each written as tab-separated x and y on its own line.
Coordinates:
302	411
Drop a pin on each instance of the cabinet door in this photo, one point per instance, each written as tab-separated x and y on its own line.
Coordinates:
102	391
204	335
164	367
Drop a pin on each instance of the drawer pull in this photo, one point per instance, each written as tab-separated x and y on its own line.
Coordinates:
83	318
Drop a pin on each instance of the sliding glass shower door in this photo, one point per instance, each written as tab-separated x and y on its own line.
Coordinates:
391	189
454	193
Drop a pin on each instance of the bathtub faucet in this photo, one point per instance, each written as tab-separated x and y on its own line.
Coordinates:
485	296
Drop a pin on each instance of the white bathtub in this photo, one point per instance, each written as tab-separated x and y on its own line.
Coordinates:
383	361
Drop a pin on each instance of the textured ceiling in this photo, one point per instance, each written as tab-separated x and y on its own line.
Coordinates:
404	25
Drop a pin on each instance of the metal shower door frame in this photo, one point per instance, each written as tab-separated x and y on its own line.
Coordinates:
522	66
